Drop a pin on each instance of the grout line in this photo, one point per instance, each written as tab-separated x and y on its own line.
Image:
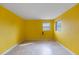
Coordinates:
9	49
66	48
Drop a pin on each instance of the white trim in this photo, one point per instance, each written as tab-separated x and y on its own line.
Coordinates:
66	48
5	52
32	43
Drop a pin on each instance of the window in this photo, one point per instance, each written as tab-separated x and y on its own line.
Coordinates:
46	26
58	25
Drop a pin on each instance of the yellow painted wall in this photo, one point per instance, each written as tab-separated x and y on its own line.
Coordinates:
69	35
14	30
33	30
10	29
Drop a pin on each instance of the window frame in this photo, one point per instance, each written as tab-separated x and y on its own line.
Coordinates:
46	27
58	25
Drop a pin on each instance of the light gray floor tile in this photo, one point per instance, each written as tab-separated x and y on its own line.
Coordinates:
39	48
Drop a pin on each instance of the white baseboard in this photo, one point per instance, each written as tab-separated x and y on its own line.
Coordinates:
17	44
9	49
66	49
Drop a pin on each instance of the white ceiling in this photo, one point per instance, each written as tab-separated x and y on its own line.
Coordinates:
38	10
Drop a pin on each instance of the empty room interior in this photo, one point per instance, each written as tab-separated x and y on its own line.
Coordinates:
39	29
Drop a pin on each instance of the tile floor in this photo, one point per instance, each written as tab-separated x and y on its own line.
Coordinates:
39	48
